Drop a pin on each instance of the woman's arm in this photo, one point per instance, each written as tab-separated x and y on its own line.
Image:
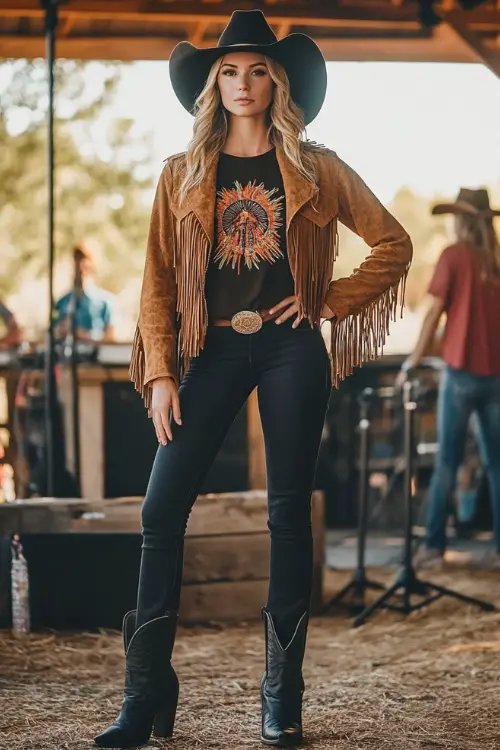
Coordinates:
154	353
427	332
391	248
425	338
364	303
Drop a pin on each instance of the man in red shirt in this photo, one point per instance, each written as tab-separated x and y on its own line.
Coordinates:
466	286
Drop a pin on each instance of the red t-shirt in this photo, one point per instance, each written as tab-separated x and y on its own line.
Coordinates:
472	304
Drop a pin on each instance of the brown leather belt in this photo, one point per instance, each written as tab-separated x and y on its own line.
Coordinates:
246	321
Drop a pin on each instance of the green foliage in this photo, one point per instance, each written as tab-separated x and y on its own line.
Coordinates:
99	193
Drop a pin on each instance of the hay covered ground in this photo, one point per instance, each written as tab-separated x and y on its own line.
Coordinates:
430	681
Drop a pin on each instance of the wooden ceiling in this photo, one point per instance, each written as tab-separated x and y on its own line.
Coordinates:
345	29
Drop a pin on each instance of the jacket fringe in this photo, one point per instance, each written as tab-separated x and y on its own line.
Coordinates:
190	270
360	337
137	369
312	251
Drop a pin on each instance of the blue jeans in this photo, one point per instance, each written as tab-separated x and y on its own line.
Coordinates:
291	371
461	394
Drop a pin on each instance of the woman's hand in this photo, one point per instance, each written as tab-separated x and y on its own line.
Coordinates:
402	376
165	397
290	307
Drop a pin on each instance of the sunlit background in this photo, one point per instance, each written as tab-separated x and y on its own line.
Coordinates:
414	132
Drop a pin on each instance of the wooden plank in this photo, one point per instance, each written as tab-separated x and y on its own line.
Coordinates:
198	34
226	513
319	552
188	11
212	514
102	374
230	602
240	557
229	513
222	513
92	441
231	557
318	526
458	22
223	602
440	48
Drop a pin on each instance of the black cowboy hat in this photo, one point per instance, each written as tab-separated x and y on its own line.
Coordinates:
471	202
248	31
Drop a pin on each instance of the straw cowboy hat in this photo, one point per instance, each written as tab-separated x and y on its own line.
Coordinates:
470	202
248	31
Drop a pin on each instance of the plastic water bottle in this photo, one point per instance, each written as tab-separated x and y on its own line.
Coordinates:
20	590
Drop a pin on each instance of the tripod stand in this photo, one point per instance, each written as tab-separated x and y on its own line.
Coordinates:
354	591
407	584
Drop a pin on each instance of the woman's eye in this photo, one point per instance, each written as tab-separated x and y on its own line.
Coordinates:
260	72
228	72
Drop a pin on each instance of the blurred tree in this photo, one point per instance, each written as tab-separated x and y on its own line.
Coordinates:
102	172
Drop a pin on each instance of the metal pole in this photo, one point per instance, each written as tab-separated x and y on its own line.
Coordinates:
410	406
364	458
50	379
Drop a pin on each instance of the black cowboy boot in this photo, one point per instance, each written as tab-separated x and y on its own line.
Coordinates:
282	685
151	685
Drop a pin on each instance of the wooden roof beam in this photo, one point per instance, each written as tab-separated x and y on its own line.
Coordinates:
441	47
199	32
283	30
314	13
457	21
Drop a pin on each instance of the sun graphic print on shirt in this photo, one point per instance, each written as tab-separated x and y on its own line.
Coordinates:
248	220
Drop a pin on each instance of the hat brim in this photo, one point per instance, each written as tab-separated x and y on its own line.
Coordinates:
461	207
300	56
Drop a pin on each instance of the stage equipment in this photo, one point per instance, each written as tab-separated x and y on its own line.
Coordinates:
407	584
352	595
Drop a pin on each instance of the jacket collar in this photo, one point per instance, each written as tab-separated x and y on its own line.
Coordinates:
202	200
298	192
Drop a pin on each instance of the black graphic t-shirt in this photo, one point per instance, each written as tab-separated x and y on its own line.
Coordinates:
248	268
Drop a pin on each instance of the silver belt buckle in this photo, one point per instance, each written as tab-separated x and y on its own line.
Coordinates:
246	321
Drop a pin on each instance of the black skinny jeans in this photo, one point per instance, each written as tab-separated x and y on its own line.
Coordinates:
291	371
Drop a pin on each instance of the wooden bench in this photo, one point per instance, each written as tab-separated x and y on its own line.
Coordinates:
226	562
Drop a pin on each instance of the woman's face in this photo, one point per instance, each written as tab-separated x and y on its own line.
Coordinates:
245	84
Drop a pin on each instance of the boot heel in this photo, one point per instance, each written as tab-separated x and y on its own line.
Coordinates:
164	720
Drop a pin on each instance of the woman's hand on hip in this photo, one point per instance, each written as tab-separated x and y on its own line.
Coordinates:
165	397
290	307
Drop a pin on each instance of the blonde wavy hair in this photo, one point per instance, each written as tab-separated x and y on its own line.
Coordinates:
210	129
480	233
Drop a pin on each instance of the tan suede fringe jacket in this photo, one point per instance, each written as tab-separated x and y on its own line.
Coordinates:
173	312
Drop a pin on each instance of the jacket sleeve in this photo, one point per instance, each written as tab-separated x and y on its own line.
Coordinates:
154	352
365	302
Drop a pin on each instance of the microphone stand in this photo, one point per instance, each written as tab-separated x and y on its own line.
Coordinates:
352	595
398	597
50	7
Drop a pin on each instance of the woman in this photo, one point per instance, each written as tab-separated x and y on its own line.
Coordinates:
466	286
243	238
